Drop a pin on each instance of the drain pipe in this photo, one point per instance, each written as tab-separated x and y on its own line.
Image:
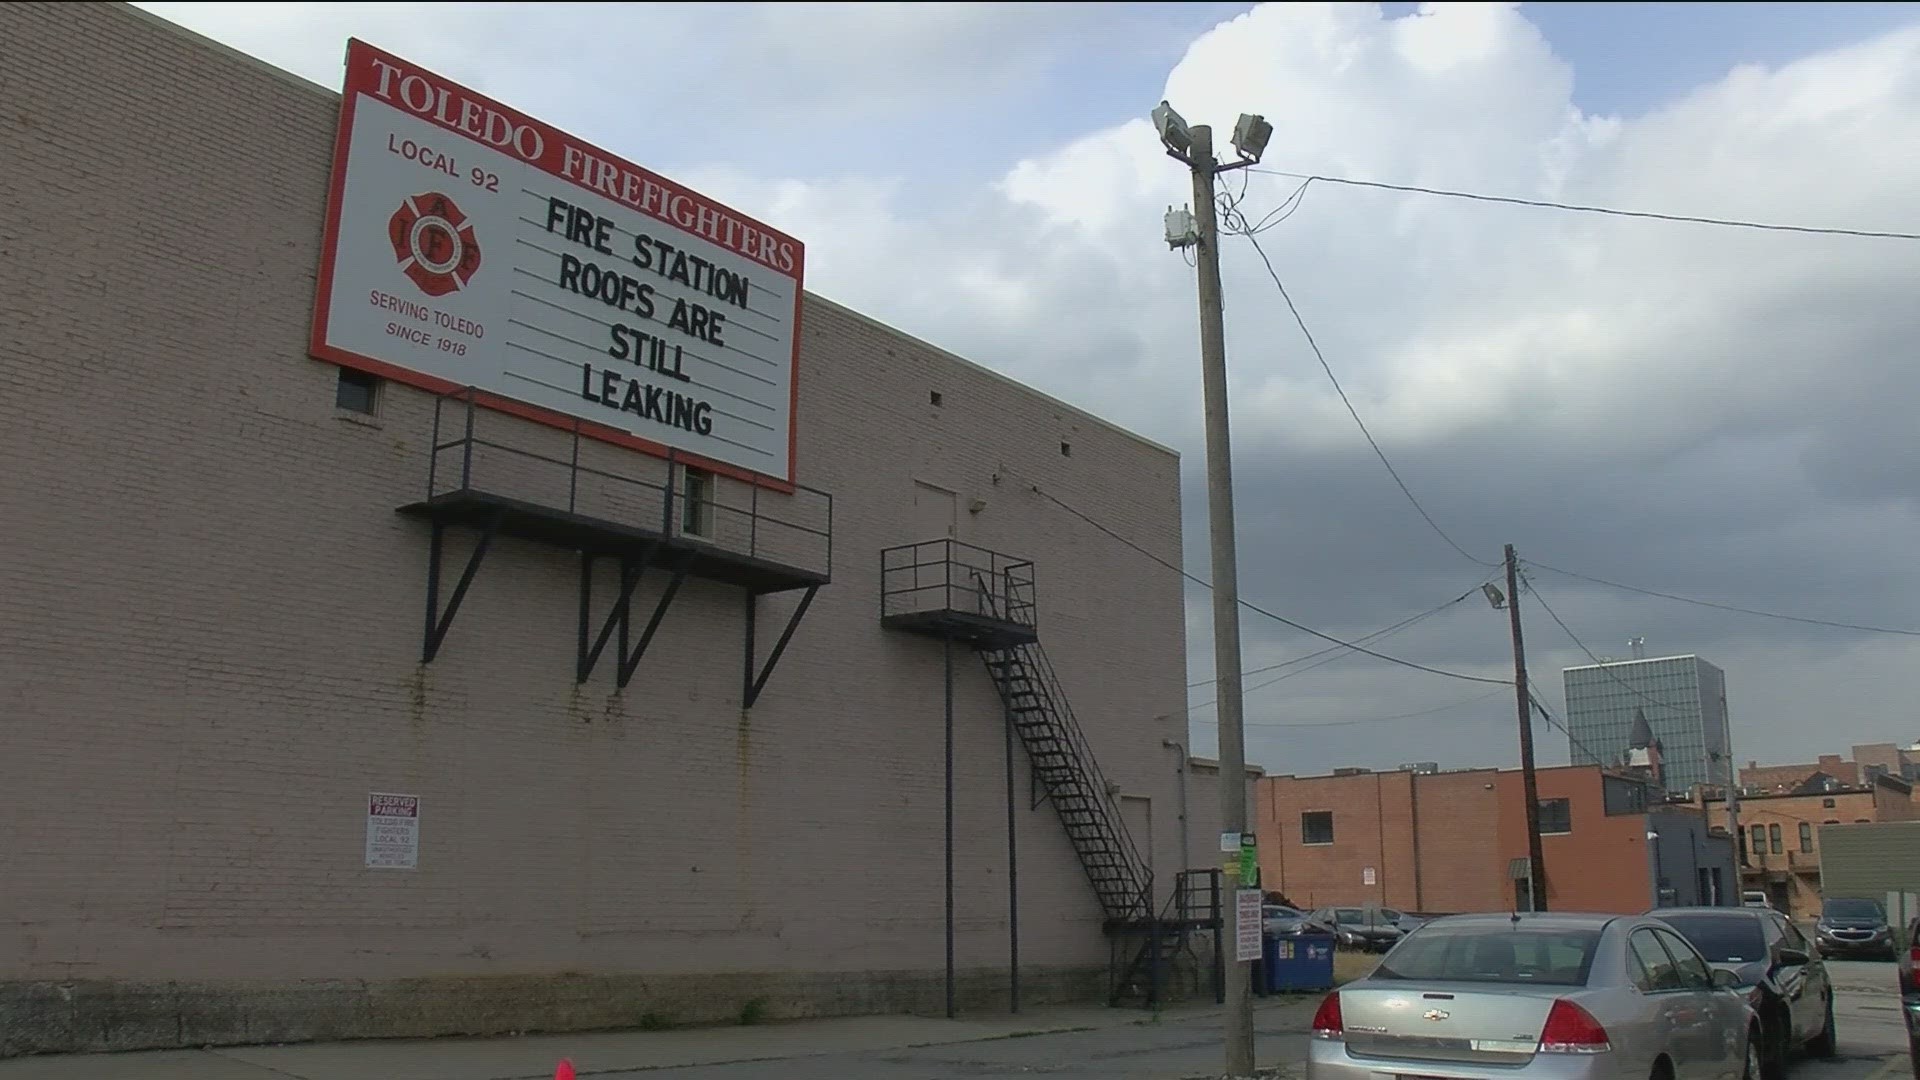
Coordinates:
1186	859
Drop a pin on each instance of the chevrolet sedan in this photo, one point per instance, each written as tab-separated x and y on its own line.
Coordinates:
1538	997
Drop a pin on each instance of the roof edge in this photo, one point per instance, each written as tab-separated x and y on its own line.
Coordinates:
949	354
169	26
1632	660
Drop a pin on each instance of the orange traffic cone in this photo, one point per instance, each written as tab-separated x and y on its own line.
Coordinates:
565	1071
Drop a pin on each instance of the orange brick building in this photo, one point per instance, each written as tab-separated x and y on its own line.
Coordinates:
1780	835
1456	841
1868	760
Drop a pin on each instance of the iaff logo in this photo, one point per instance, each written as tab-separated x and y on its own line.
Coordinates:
435	243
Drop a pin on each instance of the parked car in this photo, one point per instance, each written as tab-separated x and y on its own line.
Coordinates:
1755	898
1784	979
1850	927
1910	993
1543	996
1371	929
1281	919
1407	922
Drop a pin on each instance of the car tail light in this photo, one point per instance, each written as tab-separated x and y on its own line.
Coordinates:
1571	1029
1327	1023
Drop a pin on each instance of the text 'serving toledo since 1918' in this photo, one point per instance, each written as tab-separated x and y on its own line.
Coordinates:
613	286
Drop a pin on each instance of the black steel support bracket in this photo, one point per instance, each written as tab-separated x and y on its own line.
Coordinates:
438	621
752	684
630	661
589	655
619	617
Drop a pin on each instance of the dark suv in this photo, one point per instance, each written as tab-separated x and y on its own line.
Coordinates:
1910	993
1851	927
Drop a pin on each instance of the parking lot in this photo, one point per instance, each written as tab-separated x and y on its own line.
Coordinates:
1088	1044
1873	1040
1872	1046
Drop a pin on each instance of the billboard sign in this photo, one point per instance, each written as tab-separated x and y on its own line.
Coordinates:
468	244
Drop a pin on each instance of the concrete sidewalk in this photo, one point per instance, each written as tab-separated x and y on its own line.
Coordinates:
534	1057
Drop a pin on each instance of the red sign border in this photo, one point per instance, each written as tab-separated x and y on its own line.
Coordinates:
360	52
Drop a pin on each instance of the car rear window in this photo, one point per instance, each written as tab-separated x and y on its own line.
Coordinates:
1722	939
1851	909
1543	956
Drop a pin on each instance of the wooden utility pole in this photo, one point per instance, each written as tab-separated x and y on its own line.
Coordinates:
1536	860
1226	576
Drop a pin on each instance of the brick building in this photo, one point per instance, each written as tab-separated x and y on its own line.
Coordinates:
1456	841
1780	834
1867	760
251	794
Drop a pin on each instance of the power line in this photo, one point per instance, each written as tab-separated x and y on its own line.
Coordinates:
1725	607
1351	411
1737	223
1379	719
1365	639
1548	608
1235	222
1257	609
1541	707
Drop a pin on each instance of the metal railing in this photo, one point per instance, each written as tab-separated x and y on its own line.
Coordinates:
659	503
949	575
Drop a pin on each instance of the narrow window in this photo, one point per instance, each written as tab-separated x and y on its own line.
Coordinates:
933	397
1806	838
1773	837
1066	449
697	503
357	392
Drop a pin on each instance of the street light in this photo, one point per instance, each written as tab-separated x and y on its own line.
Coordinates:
1192	146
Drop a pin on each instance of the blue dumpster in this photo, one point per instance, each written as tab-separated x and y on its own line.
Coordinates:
1298	962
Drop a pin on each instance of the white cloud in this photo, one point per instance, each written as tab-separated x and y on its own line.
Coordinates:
1710	411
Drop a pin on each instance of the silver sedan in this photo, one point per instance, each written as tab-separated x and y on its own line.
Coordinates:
1537	997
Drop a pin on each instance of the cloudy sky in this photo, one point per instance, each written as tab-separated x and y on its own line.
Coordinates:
1720	413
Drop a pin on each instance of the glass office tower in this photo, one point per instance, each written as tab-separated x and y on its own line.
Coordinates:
1685	701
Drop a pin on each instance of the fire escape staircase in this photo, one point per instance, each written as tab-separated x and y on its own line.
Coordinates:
947	588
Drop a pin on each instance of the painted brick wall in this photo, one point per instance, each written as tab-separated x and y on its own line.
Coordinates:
210	615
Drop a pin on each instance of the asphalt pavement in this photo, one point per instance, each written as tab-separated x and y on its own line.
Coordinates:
1873	1038
1086	1044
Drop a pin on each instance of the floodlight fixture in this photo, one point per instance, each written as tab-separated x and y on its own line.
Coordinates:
1250	136
1172	129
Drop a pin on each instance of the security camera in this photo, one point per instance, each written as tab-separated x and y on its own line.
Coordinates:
1173	130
